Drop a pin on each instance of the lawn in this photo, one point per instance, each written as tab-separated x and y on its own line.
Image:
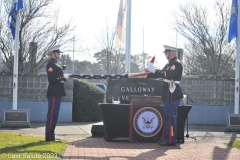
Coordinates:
235	144
18	146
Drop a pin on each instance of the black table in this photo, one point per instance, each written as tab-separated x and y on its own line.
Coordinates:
116	120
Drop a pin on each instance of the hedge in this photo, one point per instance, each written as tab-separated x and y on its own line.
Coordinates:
86	97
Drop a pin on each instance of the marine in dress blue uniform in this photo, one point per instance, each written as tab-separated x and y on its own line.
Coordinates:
55	91
171	93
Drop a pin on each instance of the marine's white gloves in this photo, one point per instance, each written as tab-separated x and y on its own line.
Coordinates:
66	75
151	68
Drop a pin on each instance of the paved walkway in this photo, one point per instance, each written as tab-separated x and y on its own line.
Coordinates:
204	143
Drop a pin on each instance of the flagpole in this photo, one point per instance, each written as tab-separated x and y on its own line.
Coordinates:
128	37
15	68
236	106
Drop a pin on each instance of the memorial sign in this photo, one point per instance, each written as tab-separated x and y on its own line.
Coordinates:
125	88
16	118
233	122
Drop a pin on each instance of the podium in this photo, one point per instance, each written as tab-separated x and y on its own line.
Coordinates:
145	119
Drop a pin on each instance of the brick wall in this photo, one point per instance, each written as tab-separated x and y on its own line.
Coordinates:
209	92
31	88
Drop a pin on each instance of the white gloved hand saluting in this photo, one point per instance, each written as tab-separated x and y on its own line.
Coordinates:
66	75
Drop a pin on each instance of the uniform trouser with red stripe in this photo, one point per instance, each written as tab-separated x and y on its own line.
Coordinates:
170	120
52	117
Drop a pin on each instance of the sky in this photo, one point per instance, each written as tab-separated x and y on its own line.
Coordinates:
150	19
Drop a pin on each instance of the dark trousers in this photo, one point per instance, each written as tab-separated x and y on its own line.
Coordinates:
170	121
52	117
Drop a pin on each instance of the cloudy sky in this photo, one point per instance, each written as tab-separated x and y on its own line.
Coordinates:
92	16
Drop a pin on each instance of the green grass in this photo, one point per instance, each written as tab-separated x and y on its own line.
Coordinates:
235	144
18	146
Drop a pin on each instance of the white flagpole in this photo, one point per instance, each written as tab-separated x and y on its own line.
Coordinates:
128	37
15	68
236	106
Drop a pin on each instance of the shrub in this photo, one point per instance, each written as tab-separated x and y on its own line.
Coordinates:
86	97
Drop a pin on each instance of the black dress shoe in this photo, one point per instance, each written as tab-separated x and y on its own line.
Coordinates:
166	144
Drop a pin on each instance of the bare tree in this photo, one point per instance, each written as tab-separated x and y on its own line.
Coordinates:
206	51
109	59
142	59
38	26
83	67
109	62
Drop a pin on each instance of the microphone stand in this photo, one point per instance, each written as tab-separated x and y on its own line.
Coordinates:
188	98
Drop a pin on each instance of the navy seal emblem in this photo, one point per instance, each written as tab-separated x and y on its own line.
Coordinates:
147	122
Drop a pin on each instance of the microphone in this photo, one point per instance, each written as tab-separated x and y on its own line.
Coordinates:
64	67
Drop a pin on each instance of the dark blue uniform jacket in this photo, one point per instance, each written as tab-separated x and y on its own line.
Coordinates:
55	79
173	72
